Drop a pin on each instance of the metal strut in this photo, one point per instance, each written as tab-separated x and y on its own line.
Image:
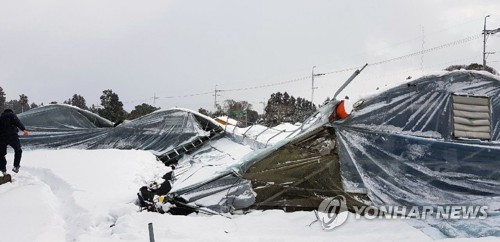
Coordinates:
356	73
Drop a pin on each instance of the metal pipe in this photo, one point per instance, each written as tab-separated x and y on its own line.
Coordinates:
151	233
312	86
356	73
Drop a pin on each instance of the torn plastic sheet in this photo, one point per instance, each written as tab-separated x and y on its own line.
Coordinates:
207	176
401	170
398	147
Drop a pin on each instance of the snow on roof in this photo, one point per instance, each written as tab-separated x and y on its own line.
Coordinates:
287	126
227	120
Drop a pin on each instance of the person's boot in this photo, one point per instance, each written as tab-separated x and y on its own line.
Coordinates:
15	169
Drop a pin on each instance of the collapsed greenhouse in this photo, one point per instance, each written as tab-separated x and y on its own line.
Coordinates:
166	133
430	141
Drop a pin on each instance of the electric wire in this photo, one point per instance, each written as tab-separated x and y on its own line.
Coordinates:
381	62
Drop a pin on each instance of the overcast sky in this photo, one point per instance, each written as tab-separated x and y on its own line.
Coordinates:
52	49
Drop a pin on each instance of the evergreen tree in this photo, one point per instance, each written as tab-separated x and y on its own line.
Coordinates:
112	107
33	105
285	108
252	116
2	99
77	101
14	105
141	110
204	112
94	109
286	98
23	101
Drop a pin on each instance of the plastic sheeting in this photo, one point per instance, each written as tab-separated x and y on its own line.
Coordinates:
205	177
400	145
161	132
296	172
58	117
299	175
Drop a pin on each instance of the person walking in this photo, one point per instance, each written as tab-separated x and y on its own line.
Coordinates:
9	127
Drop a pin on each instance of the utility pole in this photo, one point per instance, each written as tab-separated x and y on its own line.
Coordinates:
154	99
215	97
312	83
263	106
484	42
485	37
422	56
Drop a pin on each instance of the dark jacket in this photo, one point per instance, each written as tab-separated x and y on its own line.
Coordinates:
9	124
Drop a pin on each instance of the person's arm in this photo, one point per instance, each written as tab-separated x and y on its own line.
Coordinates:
20	125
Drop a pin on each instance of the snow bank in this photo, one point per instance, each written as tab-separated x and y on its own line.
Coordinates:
60	195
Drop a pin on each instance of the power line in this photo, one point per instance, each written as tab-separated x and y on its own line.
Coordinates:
267	85
431	33
215	97
169	97
393	73
450	44
414	54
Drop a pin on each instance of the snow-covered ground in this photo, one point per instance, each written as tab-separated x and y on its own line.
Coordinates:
88	195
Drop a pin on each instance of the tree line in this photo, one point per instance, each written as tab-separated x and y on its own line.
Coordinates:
111	107
280	107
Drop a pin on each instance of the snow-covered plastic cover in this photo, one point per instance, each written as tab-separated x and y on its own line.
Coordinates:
215	176
398	146
63	126
401	146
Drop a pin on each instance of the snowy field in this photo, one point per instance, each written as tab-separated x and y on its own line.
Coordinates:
88	195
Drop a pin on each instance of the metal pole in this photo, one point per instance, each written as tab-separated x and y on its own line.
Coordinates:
215	98
154	99
274	136
484	42
151	233
356	73
312	85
